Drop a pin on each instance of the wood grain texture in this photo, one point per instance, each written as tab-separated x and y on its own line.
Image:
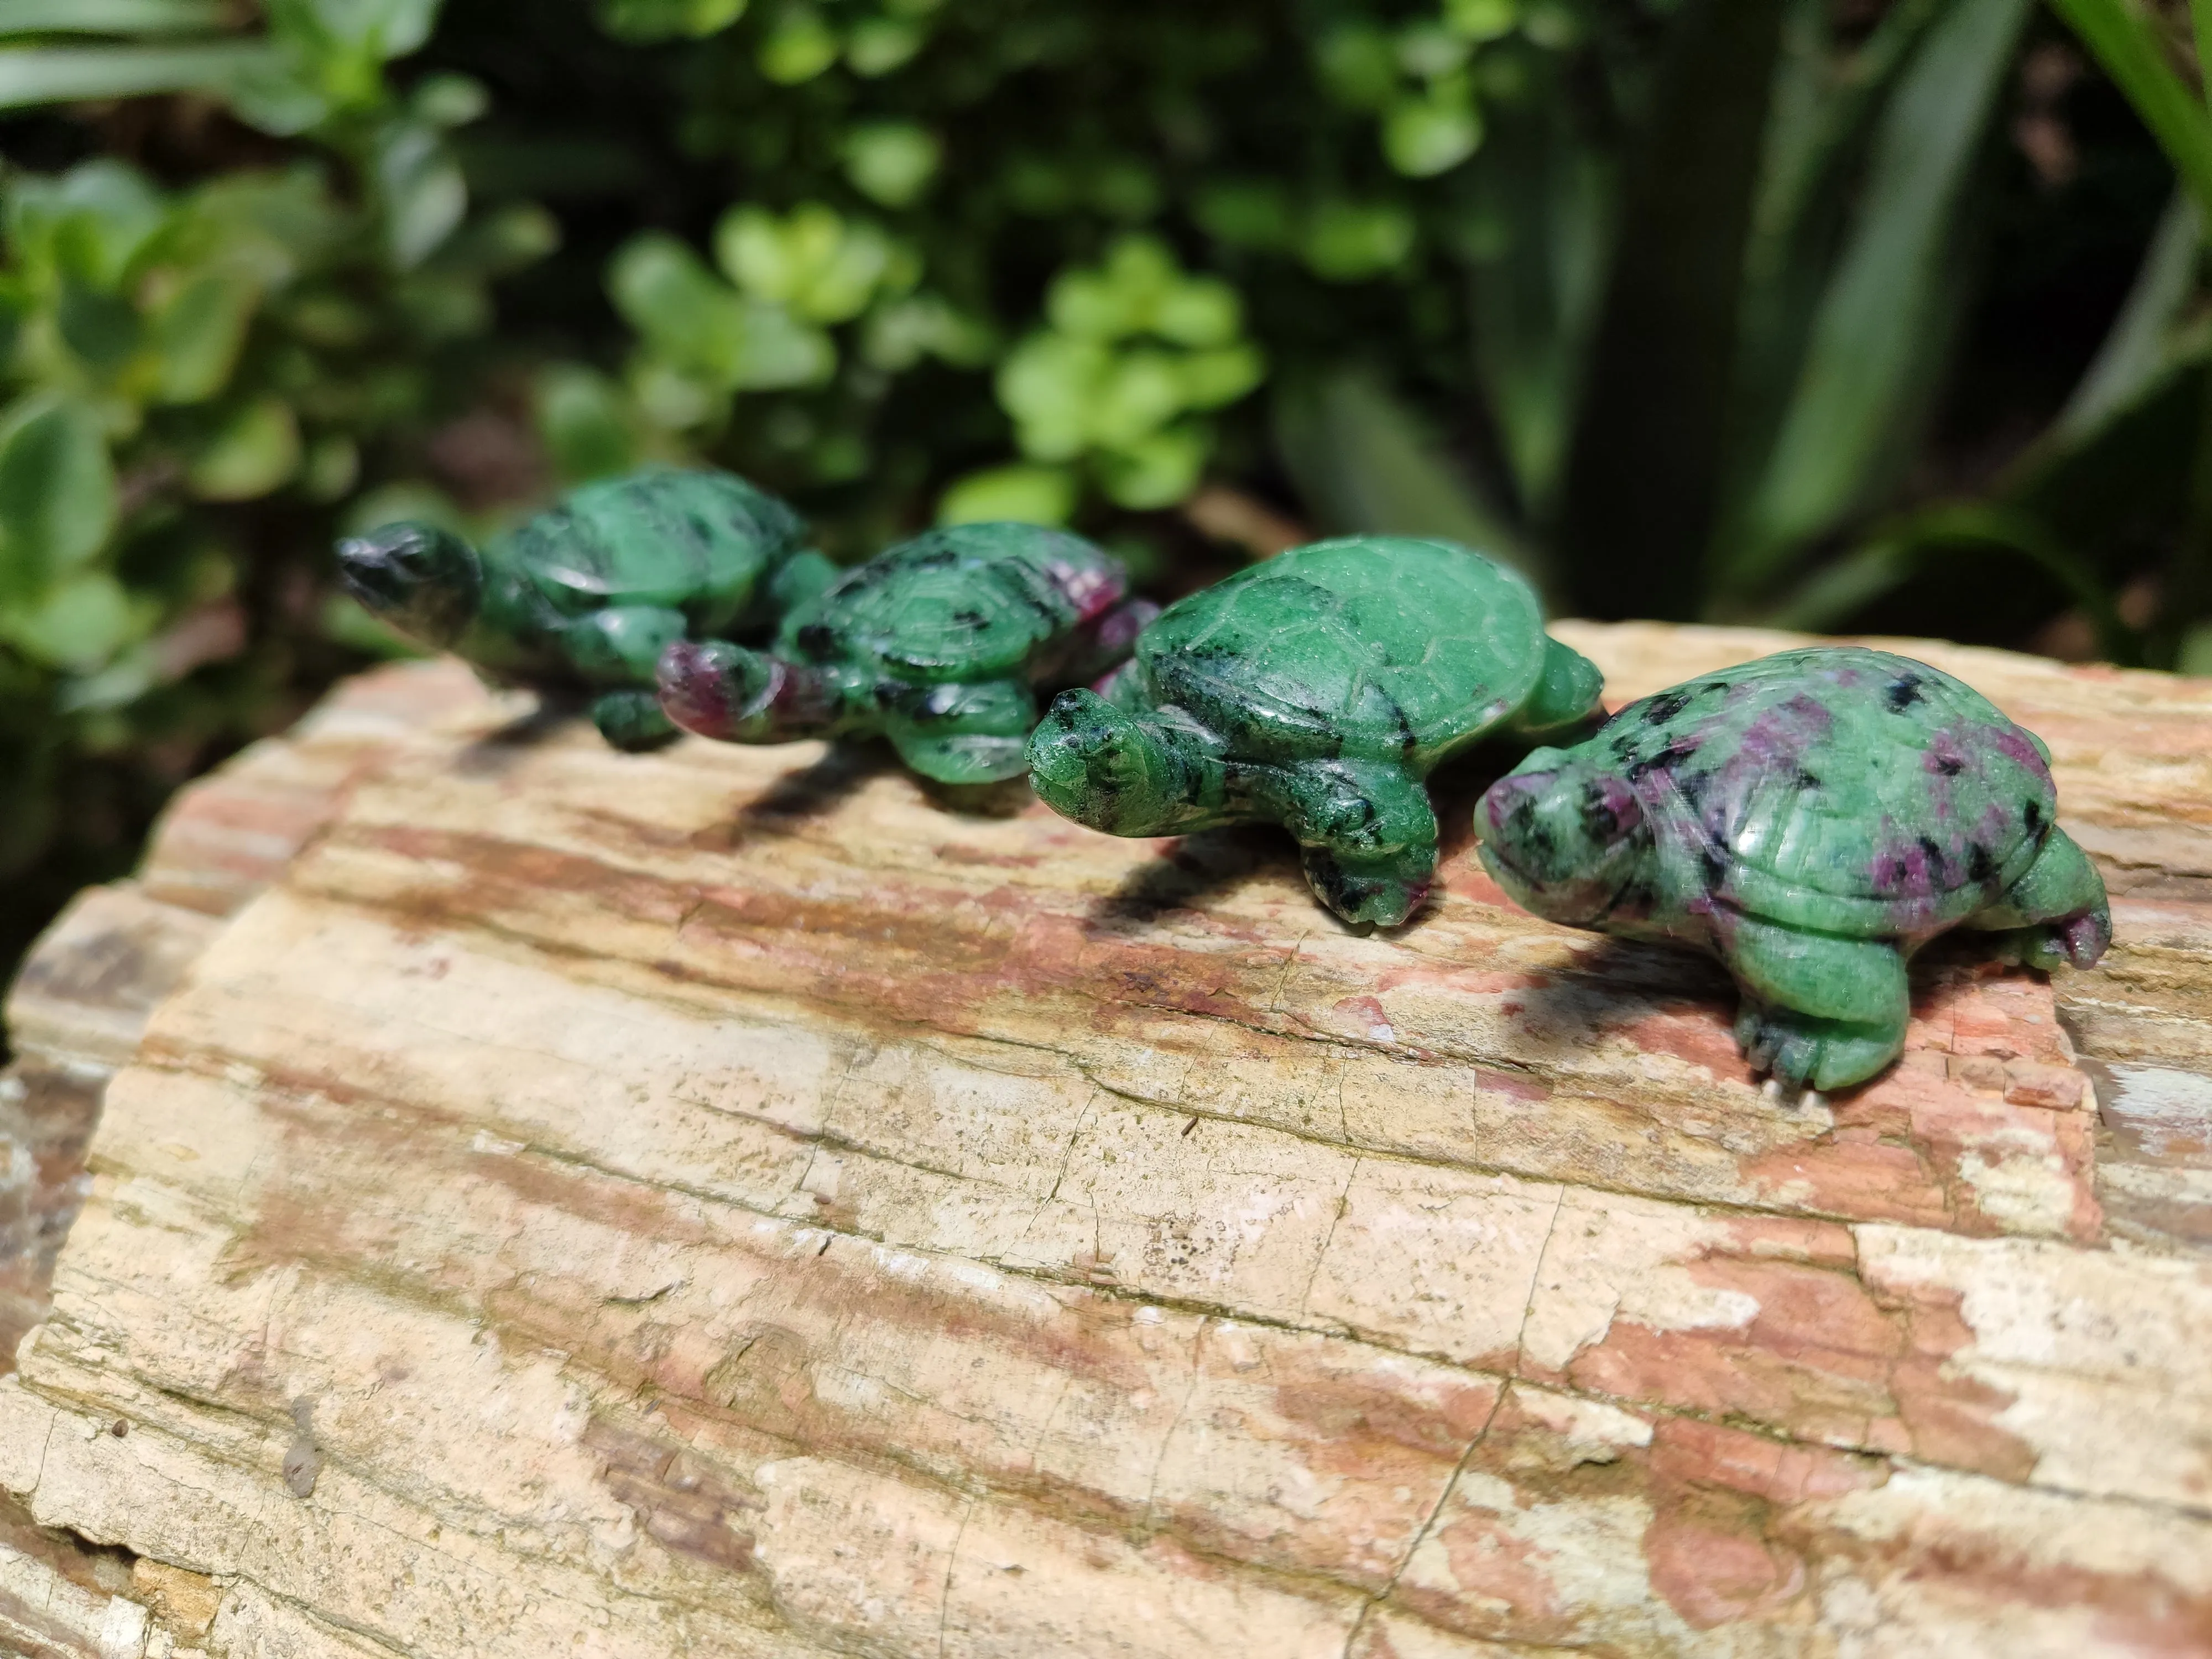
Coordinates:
723	1202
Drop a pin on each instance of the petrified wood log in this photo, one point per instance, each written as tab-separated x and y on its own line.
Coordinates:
722	1202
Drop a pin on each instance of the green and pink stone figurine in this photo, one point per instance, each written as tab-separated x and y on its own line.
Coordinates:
939	645
1812	819
1317	690
583	599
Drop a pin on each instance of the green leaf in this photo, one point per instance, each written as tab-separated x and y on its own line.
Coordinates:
103	330
114	16
1433	133
584	422
1030	494
89	225
668	296
1347	241
1865	364
668	20
826	269
197	334
1199	311
891	161
876	45
1138	395
1481	19
76	626
381	29
58	493
255	452
2143	347
425	197
2127	43
69	75
1157	470
1210	379
1364	465
799	47
1048	383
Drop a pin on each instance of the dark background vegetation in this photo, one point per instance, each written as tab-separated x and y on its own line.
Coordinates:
1844	315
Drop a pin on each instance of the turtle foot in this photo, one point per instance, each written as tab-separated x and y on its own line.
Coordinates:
1804	1056
632	722
1366	896
2081	940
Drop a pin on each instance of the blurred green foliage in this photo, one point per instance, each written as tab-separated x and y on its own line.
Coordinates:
1835	312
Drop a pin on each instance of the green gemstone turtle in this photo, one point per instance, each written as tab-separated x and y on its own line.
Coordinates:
586	596
1811	818
1317	691
938	644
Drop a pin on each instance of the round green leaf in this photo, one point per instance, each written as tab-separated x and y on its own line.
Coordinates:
1482	19
256	451
1029	494
891	161
1349	242
57	495
1158	472
799	47
583	421
1210	379
668	20
77	626
880	45
1142	393
1201	311
1425	137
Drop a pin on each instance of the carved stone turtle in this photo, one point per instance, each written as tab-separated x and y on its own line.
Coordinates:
1316	690
586	596
1811	818
938	644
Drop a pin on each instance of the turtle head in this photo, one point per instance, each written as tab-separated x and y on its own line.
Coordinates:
1561	835
1110	769
426	582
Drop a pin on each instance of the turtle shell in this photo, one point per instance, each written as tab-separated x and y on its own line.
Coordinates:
697	541
965	603
1838	787
1370	646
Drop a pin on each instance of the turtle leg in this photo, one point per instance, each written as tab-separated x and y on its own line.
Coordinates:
965	733
2056	912
1370	835
1566	696
616	647
1817	1010
800	578
632	722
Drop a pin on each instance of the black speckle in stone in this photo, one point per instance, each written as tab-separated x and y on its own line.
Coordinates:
817	639
1980	866
2030	813
1694	786
1903	691
969	618
1935	854
1598	816
1949	765
1664	707
1806	779
1624	745
1714	869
